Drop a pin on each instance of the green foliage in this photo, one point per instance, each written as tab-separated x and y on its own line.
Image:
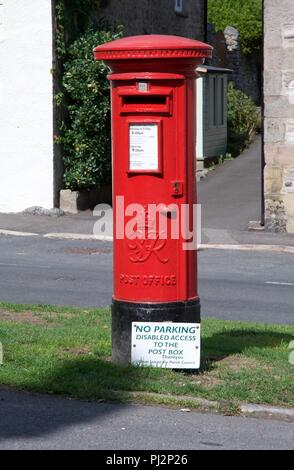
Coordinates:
245	15
85	135
71	19
243	120
82	94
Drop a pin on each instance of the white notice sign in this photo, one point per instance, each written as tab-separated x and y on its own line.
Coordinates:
166	345
143	147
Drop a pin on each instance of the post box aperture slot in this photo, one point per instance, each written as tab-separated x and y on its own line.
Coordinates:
152	100
147	103
145	147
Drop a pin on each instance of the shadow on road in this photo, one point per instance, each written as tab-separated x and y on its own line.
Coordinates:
29	415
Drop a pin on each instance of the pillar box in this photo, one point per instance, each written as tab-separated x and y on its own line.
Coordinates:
154	185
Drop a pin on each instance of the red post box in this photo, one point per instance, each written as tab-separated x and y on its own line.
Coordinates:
153	138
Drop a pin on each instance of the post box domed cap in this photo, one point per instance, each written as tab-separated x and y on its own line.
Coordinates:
152	46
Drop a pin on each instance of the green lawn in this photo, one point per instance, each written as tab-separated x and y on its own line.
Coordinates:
67	351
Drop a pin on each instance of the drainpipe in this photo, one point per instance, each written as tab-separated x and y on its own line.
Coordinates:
205	20
262	120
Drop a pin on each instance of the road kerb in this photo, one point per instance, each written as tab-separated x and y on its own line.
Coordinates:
78	236
202	247
256	247
264	411
14	233
203	405
205	246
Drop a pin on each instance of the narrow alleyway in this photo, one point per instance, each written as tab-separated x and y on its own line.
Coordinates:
231	195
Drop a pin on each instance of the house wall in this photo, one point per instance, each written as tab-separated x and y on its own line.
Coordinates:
150	17
279	114
214	135
26	120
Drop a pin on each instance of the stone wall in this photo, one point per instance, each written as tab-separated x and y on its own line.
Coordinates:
279	115
146	17
246	68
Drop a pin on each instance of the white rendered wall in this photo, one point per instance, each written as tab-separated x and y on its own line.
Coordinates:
26	111
199	122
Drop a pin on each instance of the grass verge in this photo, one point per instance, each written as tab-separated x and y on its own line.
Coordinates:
67	351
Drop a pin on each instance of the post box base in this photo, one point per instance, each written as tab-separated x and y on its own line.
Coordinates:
124	313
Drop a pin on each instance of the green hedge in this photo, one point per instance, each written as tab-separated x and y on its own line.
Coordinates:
243	120
86	133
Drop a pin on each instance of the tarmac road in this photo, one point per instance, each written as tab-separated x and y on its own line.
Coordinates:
45	422
248	286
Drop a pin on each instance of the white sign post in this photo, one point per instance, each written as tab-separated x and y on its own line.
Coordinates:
166	345
144	147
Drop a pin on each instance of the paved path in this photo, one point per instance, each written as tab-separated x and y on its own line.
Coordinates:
81	223
231	195
40	422
234	285
231	198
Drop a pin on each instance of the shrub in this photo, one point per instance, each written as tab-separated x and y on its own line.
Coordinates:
86	134
243	119
245	15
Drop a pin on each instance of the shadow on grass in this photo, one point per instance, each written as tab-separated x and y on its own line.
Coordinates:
230	342
236	341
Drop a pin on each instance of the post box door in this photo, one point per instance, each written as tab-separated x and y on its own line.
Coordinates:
150	168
